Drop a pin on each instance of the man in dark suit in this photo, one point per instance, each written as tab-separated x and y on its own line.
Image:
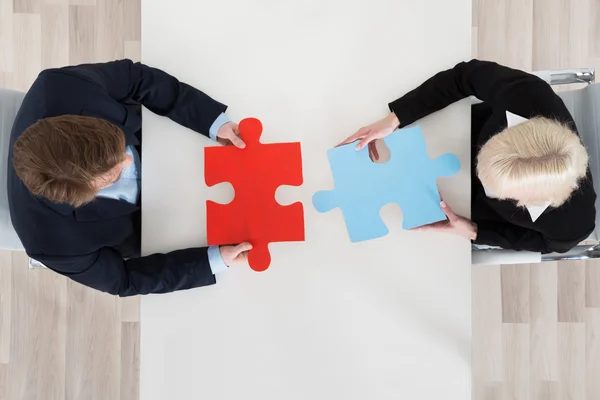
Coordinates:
74	176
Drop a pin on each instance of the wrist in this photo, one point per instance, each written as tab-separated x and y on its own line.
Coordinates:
393	120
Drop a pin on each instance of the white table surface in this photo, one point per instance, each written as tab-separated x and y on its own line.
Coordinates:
384	319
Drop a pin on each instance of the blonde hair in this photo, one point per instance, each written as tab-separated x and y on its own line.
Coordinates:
536	162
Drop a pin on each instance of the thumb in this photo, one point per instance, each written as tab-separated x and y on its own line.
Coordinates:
449	213
242	247
237	141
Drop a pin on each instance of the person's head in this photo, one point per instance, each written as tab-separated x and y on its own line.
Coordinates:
68	159
537	162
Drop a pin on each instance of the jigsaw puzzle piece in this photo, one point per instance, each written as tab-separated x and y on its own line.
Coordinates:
272	229
218	165
407	179
359	192
362	223
255	173
421	205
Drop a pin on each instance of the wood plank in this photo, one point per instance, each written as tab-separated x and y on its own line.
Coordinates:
84	2
571	358
133	50
55	35
544	390
23	370
474	42
6	36
27	49
518	41
543	291
109	30
544	325
53	302
571	291
5	304
71	2
37	367
82	34
594	48
489	391
487	328
492	14
575	33
6	80
592	353
130	309
130	360
515	359
592	283
546	34
93	354
4	382
27	6
515	293
132	23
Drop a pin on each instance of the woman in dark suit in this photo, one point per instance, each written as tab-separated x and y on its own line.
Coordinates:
531	185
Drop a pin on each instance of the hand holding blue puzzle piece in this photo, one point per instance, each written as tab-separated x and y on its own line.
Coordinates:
407	179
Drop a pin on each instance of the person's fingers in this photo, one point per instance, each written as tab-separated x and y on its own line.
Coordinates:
240	248
236	140
374	151
364	142
224	142
357	135
449	213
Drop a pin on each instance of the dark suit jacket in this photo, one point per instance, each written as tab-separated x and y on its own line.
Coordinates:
501	222
88	244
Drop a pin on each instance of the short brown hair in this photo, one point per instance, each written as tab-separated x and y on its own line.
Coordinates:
60	157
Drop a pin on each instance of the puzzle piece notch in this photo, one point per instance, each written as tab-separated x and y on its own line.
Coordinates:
407	179
255	173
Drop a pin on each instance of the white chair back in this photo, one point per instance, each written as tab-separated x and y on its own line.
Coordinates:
10	102
584	106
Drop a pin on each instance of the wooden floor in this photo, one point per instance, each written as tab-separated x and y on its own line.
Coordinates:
536	328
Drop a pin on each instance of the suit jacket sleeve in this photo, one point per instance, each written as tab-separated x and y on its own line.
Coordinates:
156	90
105	270
502	87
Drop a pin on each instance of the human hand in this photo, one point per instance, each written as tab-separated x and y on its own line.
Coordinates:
229	134
235	254
368	134
454	224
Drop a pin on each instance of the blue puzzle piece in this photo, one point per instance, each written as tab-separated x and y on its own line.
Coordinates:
408	179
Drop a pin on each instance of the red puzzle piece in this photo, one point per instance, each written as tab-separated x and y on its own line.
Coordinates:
255	173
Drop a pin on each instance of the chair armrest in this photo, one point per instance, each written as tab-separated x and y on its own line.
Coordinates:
567	76
503	256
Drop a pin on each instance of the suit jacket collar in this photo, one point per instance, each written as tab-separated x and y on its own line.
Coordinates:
130	126
99	209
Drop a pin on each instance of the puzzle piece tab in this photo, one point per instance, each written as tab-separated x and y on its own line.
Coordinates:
408	179
255	173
